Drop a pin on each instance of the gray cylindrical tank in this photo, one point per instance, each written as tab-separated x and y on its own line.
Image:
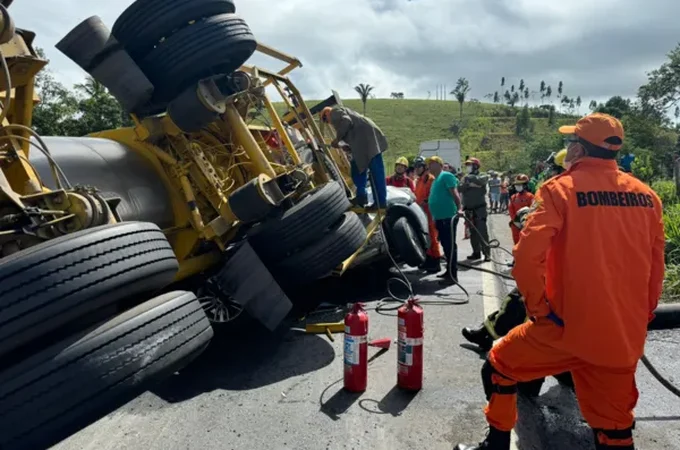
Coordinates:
116	170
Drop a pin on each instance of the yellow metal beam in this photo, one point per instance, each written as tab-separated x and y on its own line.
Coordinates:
370	229
246	139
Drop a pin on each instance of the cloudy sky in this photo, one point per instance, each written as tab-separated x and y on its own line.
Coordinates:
597	48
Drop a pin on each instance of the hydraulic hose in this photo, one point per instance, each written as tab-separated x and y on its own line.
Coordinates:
393	301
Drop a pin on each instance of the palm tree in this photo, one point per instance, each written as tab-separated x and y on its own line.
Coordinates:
578	102
91	87
542	91
364	91
526	94
548	93
521	85
461	91
496	97
560	88
593	105
502	81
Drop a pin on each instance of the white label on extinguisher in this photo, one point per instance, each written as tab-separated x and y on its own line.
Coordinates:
405	354
406	345
352	348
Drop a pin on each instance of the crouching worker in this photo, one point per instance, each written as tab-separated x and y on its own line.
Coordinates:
423	187
523	198
575	264
444	204
367	144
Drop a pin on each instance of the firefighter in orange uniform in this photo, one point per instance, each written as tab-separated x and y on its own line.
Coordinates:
590	264
423	186
518	201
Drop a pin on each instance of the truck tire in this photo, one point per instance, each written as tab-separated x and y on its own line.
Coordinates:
53	283
305	222
215	45
64	388
344	238
407	243
144	23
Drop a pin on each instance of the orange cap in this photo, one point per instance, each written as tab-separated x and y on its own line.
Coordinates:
599	129
326	114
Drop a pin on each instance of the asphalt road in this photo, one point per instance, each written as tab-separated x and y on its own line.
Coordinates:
261	391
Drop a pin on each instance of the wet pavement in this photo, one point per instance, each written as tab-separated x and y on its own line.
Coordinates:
284	391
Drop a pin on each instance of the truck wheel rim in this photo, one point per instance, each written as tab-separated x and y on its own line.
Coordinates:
217	305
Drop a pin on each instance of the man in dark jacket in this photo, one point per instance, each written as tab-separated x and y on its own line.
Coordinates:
473	189
367	144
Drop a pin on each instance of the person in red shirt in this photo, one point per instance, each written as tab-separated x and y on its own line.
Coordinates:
399	179
518	201
425	178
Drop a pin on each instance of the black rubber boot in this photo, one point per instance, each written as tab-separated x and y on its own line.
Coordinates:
495	440
431	265
480	337
530	389
474	257
614	434
448	280
565	379
487	258
360	201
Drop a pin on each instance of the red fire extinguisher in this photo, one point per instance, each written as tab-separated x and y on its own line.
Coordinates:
410	355
356	349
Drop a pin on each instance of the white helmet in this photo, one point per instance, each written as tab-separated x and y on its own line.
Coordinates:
521	217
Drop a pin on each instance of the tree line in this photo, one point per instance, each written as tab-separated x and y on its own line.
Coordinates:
86	108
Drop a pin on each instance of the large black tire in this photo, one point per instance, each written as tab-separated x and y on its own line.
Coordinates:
144	23
68	386
305	222
51	284
212	46
407	244
344	238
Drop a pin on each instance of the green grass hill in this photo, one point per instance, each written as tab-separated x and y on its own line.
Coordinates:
486	130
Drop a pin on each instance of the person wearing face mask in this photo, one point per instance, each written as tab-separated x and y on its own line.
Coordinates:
518	201
589	289
399	178
473	189
423	187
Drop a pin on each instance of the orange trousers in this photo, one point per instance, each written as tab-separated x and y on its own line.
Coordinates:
515	234
434	251
606	395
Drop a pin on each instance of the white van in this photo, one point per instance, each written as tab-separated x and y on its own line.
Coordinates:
446	149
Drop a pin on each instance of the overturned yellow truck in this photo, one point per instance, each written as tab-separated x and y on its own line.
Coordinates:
119	251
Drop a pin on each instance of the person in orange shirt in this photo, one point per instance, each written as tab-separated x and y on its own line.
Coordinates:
423	186
518	201
590	265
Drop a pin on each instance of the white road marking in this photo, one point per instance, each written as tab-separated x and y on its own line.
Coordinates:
491	304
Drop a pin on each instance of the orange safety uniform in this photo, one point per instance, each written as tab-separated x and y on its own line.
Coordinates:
517	202
590	265
423	187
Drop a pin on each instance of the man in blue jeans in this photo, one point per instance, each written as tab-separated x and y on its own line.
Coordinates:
444	203
367	144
